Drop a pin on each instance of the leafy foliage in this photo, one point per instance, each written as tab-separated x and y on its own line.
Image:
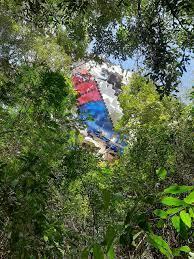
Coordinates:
60	199
161	31
181	217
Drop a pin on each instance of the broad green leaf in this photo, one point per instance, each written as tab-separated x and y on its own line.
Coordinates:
161	173
172	201
109	237
190	198
173	210
185	218
175	189
159	243
161	213
185	249
163	251
111	253
183	230
191	212
98	253
176	222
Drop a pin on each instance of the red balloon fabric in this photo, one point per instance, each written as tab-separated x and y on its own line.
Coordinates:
86	87
91	96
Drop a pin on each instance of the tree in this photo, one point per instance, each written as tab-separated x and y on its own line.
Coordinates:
159	152
160	31
161	128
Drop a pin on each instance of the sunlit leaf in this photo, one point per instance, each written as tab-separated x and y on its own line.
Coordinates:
190	198
159	243
185	249
176	222
111	253
172	201
173	210
185	218
175	189
191	212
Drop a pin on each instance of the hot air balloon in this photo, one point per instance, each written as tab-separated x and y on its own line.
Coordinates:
98	86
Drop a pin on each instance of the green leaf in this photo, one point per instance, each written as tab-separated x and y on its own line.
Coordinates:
161	173
111	253
183	230
185	249
176	252
160	244
161	213
176	222
106	198
98	253
173	210
190	198
85	253
109	237
191	212
172	201
175	189
185	218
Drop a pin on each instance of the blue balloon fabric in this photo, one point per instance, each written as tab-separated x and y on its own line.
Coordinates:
95	116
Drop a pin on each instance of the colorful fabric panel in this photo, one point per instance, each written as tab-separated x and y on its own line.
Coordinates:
93	110
95	116
86	87
77	79
89	97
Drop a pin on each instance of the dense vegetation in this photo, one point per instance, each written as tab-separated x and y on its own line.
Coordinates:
60	199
